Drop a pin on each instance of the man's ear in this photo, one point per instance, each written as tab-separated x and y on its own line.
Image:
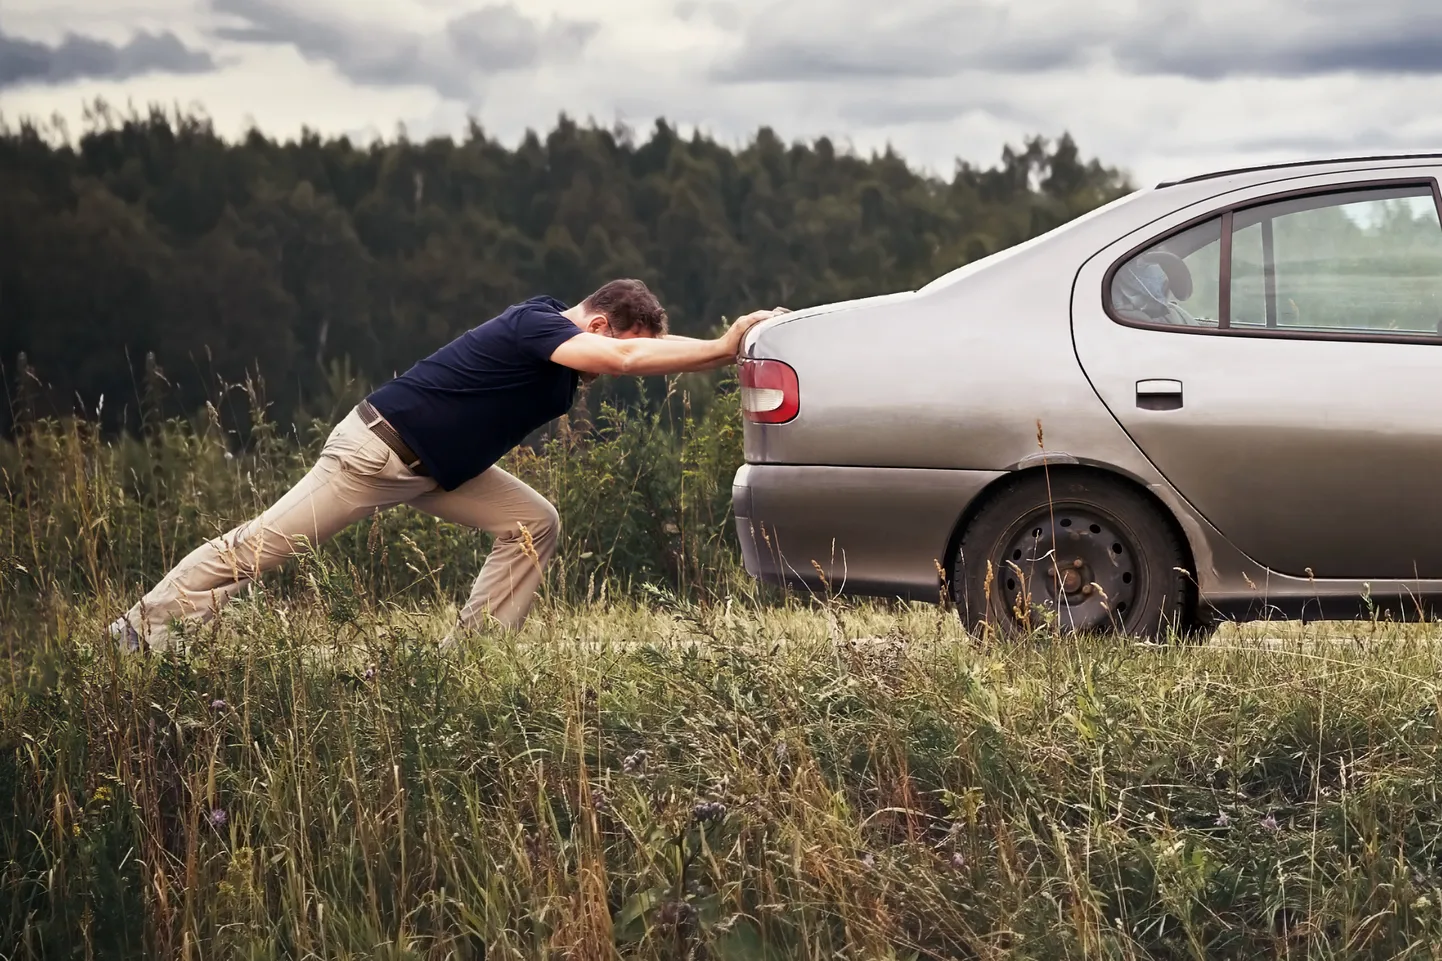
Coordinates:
597	324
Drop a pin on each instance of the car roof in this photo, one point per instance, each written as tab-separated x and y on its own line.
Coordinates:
1299	164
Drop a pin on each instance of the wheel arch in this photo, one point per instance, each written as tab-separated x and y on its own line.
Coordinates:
993	489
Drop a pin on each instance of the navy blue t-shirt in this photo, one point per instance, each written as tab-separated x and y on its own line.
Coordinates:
465	406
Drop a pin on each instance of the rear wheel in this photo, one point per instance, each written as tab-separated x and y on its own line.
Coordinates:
1077	553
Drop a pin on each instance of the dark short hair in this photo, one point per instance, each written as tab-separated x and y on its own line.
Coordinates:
629	305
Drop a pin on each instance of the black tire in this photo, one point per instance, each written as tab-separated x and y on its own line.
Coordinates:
1080	550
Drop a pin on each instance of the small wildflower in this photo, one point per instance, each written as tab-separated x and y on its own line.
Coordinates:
370	674
1270	823
599	801
218	704
635	763
958	861
1223	820
868	861
709	811
101	795
229	456
783	753
676	914
218	818
1421	904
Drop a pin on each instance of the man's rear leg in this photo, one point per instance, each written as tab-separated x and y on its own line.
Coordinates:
527	531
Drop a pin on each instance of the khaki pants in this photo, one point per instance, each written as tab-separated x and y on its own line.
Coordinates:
356	474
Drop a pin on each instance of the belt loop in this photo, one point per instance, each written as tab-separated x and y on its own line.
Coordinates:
368	414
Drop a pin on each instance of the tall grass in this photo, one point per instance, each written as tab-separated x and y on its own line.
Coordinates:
662	764
687	782
644	497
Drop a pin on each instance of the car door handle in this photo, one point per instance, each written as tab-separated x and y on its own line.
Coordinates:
1159	394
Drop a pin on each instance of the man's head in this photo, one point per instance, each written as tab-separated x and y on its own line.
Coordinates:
623	309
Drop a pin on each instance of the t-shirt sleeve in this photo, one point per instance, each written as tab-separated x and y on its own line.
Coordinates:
540	330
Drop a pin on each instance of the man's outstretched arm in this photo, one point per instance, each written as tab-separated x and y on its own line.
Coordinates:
722	362
594	354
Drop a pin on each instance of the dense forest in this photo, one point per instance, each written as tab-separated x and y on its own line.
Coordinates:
151	255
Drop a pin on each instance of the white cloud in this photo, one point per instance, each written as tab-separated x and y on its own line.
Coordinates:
1160	88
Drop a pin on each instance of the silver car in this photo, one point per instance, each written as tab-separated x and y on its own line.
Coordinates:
1217	397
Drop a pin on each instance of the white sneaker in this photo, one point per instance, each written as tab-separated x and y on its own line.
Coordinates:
452	641
481	630
122	632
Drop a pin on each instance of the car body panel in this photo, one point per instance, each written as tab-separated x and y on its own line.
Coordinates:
918	380
832	527
913	403
1316	458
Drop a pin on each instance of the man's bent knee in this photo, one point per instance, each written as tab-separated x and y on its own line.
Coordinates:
552	518
547	523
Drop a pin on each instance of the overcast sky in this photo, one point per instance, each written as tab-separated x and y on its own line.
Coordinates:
1161	88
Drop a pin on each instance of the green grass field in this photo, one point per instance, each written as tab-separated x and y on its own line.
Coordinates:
667	781
703	770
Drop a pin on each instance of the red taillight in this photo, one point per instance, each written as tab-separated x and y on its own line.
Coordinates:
769	392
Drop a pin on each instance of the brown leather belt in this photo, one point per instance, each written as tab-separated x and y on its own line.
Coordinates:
381	428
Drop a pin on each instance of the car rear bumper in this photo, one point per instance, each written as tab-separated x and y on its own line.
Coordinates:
876	531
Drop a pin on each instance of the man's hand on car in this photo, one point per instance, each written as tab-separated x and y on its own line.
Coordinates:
737	332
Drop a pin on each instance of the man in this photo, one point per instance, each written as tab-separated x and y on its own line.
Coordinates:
431	438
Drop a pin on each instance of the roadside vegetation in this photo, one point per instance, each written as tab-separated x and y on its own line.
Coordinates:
668	762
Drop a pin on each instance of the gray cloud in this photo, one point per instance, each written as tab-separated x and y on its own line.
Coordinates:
453	61
913	39
722	13
929	39
76	57
1300	43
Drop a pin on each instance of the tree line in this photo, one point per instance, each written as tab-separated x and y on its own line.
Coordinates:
151	256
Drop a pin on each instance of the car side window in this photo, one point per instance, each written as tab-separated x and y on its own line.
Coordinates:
1356	261
1363	261
1174	282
